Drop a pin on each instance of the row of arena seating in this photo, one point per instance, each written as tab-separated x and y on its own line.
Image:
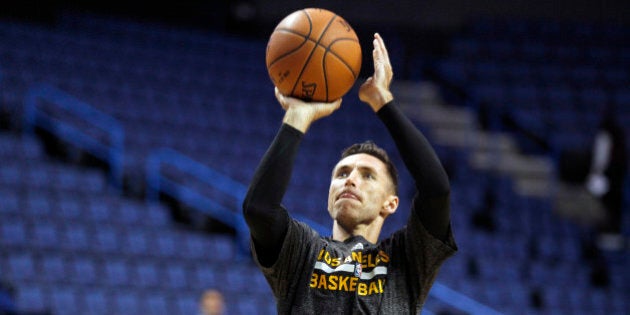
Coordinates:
77	247
555	80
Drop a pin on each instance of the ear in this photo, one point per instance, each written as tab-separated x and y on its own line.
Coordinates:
390	205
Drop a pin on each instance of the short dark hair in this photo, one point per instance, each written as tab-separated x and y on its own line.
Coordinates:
369	147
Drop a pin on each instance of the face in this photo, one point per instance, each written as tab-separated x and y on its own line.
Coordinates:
212	303
360	191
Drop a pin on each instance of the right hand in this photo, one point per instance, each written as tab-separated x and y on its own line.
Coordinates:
301	114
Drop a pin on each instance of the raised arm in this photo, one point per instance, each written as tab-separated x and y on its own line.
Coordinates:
432	201
267	219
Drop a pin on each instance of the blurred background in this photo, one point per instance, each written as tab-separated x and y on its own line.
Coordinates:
129	133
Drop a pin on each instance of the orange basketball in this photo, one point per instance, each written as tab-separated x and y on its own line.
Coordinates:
313	54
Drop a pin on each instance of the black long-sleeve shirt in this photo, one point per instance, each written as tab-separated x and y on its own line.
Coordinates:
268	220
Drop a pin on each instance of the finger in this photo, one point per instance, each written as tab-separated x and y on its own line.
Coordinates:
381	47
338	103
280	98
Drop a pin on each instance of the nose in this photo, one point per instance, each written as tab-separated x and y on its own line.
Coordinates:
350	180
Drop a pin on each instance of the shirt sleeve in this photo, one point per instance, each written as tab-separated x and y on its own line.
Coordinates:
267	219
431	202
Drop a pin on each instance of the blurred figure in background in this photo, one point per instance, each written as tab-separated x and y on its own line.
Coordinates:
606	179
211	303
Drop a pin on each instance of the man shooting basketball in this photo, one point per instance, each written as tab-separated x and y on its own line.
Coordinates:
352	272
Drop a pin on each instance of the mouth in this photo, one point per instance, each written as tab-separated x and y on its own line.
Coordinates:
348	195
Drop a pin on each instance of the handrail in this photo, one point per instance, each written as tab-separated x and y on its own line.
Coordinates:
460	301
229	214
111	152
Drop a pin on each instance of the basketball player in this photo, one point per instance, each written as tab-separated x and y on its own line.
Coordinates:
352	272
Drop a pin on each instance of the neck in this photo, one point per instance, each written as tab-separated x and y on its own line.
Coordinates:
370	231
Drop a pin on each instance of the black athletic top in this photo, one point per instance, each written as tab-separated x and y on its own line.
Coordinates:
270	223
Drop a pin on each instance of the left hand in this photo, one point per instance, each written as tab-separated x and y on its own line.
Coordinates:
375	91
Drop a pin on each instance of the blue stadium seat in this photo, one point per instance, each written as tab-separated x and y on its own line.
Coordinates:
126	302
38	203
155	303
32	298
175	277
70	209
136	242
22	266
147	274
65	300
96	300
186	304
45	235
13	233
106	239
97	211
54	268
84	270
76	238
116	273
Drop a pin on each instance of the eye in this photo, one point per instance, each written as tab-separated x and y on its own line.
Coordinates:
342	174
369	176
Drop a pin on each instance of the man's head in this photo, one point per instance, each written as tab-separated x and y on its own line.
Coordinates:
363	187
369	147
211	303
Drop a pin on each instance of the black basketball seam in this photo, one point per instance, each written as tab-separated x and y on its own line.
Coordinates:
307	37
328	50
313	50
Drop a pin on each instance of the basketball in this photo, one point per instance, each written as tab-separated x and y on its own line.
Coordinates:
313	54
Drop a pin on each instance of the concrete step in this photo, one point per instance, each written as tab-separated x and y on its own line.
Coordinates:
575	203
473	139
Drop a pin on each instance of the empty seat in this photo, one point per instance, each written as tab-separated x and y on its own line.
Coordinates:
116	273
187	304
96	301
99	211
156	214
175	277
136	242
167	245
53	268
131	214
76	238
32	298
205	276
158	304
10	205
45	235
21	266
19	147
64	300
70	209
106	239
38	203
10	175
126	302
83	270
147	274
13	233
